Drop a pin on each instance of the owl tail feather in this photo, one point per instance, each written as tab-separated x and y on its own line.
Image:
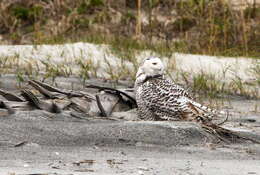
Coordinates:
225	135
216	130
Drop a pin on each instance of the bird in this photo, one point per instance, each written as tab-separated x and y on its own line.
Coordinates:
158	98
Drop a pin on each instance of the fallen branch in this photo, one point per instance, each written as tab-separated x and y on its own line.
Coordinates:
43	91
10	96
102	111
6	106
29	96
133	101
53	89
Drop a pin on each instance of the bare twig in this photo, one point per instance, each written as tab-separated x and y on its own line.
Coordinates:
224	121
103	112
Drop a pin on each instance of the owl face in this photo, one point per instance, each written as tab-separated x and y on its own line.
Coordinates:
152	66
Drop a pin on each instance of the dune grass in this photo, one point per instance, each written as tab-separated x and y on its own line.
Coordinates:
205	84
192	26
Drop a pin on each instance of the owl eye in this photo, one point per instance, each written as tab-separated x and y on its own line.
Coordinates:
154	63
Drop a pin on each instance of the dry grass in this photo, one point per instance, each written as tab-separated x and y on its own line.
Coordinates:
205	84
212	86
216	27
255	71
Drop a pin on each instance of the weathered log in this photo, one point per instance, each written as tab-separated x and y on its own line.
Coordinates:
62	91
43	91
40	104
80	104
56	100
18	106
10	96
120	93
6	106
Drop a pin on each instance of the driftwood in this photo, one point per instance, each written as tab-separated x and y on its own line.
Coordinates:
55	100
120	93
10	96
99	104
60	91
40	104
6	106
43	91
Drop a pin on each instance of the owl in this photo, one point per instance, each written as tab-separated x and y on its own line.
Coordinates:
158	98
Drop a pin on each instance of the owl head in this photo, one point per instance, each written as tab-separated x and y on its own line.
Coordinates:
151	66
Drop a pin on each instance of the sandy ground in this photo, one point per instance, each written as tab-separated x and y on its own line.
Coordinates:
31	144
67	54
39	143
137	160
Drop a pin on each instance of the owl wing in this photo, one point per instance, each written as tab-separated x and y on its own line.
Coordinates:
178	90
165	98
174	89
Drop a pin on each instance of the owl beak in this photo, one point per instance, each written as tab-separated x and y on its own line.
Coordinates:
159	69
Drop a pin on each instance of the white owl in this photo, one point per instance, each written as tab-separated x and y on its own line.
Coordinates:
160	99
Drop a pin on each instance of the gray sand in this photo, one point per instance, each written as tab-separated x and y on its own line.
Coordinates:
43	143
